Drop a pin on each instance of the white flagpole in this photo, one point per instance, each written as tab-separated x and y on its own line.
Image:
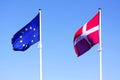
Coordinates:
100	43
40	44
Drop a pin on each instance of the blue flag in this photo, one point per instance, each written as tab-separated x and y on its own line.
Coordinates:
27	36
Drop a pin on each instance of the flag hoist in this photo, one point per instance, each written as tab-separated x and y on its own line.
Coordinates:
30	34
89	35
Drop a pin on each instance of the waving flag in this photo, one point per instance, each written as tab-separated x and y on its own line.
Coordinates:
27	36
87	36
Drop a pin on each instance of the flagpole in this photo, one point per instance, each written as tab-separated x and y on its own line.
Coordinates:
40	44
100	44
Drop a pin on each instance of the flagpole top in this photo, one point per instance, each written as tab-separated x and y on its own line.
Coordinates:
99	8
40	9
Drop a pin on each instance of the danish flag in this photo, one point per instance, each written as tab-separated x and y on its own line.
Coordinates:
87	36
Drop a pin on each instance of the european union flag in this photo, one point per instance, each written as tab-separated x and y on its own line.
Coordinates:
27	36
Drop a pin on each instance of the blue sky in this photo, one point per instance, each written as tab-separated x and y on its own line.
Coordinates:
60	20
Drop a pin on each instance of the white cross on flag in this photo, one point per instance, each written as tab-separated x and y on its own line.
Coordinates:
87	36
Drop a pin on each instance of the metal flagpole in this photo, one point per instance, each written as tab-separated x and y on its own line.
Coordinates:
100	43
40	44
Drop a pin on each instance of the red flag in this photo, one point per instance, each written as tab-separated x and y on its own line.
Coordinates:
87	36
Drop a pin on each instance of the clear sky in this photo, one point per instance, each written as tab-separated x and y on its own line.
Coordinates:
60	20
